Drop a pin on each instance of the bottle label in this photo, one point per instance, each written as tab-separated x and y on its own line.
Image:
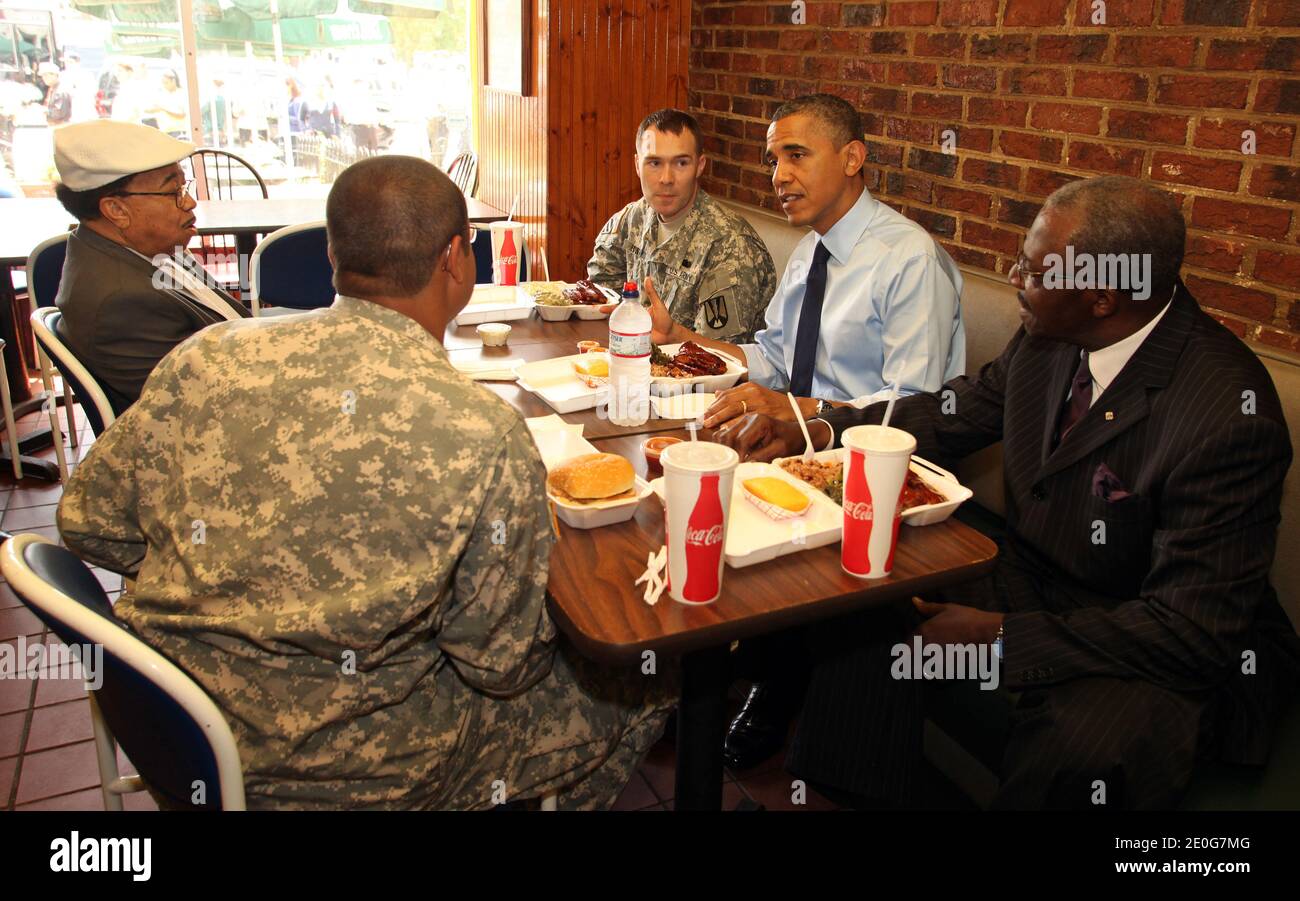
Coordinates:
631	345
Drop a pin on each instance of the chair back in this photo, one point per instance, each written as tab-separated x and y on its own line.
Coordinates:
45	270
167	725
46	322
219	174
483	258
463	171
291	268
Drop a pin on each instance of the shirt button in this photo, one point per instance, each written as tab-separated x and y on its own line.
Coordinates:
1038	493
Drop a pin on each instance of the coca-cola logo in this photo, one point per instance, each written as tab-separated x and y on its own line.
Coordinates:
705	537
861	510
508	261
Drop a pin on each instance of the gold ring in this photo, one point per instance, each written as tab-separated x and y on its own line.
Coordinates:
744	407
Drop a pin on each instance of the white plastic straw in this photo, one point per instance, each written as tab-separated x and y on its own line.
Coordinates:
889	408
803	427
513	206
546	263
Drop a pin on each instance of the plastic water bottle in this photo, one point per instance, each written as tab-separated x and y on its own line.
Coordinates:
629	360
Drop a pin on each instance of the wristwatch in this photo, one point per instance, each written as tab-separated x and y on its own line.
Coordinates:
819	409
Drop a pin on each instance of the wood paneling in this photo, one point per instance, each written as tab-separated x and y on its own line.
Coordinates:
600	66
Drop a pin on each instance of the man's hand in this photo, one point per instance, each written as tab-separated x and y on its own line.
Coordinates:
663	328
956	624
749	397
762	438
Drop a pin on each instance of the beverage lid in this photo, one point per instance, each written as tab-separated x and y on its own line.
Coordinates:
698	457
505	225
878	439
629	286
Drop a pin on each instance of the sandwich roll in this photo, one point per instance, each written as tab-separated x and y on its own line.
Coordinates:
589	478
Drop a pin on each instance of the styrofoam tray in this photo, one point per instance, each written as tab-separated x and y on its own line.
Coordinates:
938	478
682	406
558	441
496	303
556	382
754	538
583	310
664	385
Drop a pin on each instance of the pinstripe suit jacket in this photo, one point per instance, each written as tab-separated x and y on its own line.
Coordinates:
114	319
1170	584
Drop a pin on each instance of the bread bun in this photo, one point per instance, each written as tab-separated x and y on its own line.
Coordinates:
591	477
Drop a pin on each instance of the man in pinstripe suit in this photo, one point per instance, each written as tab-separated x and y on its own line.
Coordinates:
1144	449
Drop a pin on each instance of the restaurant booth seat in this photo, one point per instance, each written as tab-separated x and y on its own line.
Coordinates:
965	726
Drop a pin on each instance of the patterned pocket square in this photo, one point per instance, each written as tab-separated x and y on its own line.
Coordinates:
1107	486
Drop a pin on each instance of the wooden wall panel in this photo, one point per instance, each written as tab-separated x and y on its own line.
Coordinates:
599	67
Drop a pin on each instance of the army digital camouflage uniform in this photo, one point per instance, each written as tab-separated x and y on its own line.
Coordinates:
345	542
714	274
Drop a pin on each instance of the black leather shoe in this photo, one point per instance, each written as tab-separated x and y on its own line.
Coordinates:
759	730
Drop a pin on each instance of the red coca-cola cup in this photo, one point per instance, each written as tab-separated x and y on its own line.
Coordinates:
697	506
876	459
507	245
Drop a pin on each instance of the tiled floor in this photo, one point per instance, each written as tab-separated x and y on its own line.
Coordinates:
47	757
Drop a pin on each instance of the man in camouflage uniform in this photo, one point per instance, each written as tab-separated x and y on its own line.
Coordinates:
710	267
345	541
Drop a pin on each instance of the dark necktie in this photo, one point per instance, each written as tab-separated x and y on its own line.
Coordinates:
810	325
1080	398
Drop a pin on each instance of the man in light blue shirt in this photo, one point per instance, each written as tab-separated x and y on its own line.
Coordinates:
867	300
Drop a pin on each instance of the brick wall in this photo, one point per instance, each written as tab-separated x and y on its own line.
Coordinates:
1033	95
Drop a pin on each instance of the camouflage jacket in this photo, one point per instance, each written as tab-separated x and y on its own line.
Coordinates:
342	539
714	274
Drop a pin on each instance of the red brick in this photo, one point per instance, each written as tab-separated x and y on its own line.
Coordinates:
980	139
1118	12
1210	252
913	130
1248	302
960	200
881	154
1278	338
886	43
826	68
781	64
1105	158
1236	218
1146	50
1278	268
873	124
997	112
970	257
1271	138
864	71
1036	81
1018	212
1001	47
1041	182
763	40
912	187
1151	127
1276	95
719	102
758	181
701	38
984	172
1198	171
1109	85
1071	48
749	15
717	15
981	235
763	87
732	128
798	39
949	44
715	60
913	73
1231	13
1035	12
1084	120
1276	182
747	153
1236	326
746	62
1279	12
913	13
795	87
1200	92
1254	54
934	223
730	37
747	106
944	106
726	171
969	12
971	78
889	100
1031	146
858	15
932	161
838	41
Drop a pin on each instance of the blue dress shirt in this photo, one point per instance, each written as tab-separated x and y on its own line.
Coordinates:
892	311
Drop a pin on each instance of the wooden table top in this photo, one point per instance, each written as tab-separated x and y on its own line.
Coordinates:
27	221
594	601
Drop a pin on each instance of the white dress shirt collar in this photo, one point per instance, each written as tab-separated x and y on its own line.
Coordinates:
1107	363
843	236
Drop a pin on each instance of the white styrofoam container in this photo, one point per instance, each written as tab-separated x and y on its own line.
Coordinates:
602	513
556	382
682	406
752	537
496	303
938	478
583	310
558	441
664	385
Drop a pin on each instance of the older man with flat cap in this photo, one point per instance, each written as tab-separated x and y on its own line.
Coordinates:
130	291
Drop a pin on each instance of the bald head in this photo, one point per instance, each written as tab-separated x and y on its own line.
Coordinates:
389	219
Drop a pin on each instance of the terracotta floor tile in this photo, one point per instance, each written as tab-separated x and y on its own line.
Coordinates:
8	766
15	621
8	599
54	691
35	494
774	791
21	519
11	732
88	799
58	772
732	794
50	532
139	801
59	724
15	695
636	796
111	581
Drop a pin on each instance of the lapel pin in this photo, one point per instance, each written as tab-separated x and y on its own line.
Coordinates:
1109	415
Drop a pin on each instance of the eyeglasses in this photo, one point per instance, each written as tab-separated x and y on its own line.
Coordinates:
473	236
179	194
1029	275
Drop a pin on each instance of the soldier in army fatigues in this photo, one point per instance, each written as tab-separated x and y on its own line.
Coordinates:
710	267
345	541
